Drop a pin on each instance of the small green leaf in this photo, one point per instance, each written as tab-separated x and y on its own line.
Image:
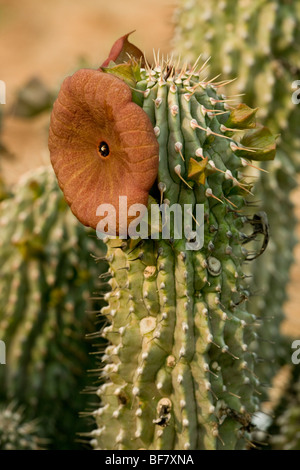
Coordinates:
136	70
262	141
196	170
242	117
123	71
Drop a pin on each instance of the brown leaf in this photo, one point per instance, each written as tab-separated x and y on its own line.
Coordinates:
122	50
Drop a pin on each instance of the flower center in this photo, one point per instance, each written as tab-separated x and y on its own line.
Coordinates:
103	149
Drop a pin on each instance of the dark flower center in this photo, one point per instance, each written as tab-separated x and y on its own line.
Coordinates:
103	149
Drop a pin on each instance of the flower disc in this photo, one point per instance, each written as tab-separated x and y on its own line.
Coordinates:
102	145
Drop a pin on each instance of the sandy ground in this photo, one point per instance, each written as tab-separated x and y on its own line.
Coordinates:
49	38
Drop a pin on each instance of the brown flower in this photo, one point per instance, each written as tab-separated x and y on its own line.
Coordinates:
102	145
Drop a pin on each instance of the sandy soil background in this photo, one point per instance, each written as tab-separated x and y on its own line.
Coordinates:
48	39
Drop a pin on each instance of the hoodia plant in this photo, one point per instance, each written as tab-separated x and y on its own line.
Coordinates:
48	277
177	369
16	433
256	43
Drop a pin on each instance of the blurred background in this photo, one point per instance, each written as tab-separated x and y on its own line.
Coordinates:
40	44
49	40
